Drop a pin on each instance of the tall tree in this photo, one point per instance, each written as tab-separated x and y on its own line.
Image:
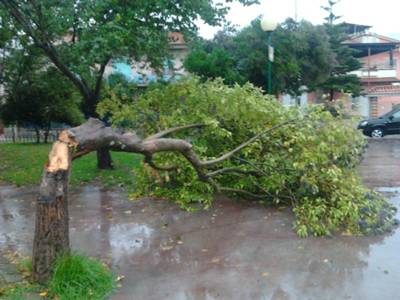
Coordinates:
303	56
80	37
345	61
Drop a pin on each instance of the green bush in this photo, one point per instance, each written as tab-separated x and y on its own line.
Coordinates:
309	163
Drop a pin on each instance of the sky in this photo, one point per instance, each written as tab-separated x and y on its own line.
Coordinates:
383	15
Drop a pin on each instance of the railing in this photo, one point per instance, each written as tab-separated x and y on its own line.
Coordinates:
28	135
375	73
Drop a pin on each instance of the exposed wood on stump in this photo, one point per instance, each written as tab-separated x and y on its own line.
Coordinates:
51	229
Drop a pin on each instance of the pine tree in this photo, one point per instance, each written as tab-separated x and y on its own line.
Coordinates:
345	61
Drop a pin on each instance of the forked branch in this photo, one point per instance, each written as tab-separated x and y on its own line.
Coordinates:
94	135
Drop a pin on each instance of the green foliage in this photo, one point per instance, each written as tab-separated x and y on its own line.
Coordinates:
303	56
217	63
345	60
75	277
35	95
81	37
20	291
308	163
78	277
22	164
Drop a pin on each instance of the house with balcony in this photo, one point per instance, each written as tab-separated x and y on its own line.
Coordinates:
380	73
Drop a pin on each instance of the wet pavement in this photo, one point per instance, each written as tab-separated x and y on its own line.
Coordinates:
236	250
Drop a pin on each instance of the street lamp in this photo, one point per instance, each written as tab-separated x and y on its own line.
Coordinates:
269	25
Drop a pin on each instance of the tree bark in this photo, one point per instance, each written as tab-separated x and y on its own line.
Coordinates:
104	161
37	132
46	134
52	224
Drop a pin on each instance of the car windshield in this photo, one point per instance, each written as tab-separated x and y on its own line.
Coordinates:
389	113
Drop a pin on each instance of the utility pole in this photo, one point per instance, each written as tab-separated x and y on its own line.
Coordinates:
295	10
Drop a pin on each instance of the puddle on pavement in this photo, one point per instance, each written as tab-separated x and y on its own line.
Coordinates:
233	251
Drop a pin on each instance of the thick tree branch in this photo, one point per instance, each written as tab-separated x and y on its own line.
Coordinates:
46	45
94	135
96	93
172	130
234	170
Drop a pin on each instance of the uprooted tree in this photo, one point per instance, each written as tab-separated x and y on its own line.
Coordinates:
232	140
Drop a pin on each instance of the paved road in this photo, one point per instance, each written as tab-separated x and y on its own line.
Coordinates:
381	163
233	251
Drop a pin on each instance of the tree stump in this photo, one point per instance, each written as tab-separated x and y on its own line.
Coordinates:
52	229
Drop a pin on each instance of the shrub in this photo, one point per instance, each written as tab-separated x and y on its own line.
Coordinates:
309	163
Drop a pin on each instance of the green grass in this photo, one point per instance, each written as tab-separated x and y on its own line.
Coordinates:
22	164
21	291
78	277
75	277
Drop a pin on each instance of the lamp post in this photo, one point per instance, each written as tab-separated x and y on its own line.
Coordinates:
269	25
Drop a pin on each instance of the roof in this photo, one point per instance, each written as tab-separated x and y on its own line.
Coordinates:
371	43
378	79
352	28
384	90
177	40
371	38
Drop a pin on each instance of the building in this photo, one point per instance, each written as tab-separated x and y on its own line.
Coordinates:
380	74
142	74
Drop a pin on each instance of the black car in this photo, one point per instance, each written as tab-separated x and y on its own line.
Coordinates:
389	123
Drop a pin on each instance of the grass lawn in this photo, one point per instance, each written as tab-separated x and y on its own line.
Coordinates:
22	164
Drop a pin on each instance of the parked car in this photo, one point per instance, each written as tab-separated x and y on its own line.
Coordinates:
387	124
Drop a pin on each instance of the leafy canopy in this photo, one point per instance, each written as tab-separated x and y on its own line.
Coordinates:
308	163
36	95
303	56
80	37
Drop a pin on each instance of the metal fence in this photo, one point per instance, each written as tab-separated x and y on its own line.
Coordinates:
28	135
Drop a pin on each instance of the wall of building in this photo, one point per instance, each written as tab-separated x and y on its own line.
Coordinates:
380	65
386	103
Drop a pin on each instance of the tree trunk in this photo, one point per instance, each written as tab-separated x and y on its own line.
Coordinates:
51	230
46	134
104	161
37	135
331	95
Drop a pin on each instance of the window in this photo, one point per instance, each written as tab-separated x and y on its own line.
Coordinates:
396	115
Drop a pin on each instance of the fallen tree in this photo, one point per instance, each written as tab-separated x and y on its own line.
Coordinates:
52	230
233	140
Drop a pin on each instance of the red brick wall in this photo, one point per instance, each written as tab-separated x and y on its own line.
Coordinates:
385	103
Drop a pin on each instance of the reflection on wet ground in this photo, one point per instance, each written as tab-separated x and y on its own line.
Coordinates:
233	251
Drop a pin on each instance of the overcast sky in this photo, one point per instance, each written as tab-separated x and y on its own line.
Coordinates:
383	15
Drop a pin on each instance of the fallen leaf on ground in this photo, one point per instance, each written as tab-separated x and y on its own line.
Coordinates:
264	274
166	248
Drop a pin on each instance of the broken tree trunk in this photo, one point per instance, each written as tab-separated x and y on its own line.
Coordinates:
51	229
